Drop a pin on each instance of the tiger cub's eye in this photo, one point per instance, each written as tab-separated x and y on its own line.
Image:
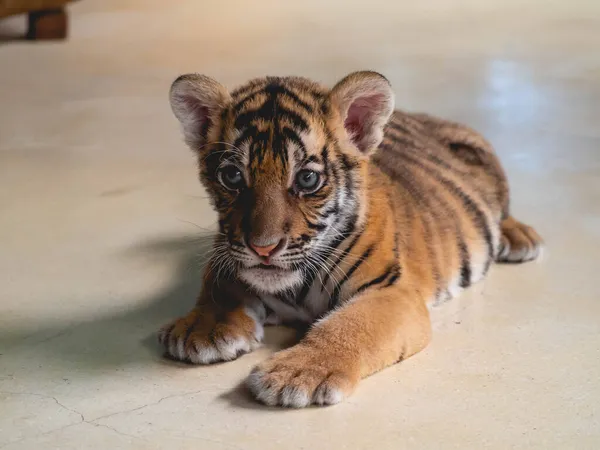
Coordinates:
231	177
307	181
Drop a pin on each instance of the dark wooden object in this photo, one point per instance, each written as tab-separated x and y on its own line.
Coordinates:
47	24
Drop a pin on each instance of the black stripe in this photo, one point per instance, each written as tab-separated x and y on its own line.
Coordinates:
465	265
435	267
392	207
270	111
235	242
395	276
406	182
259	146
479	217
245	89
413	146
325	158
274	88
339	259
348	179
440	162
316	226
456	169
329	211
347	162
380	279
335	298
291	136
336	181
245	135
299	102
318	96
469	204
296	120
349	228
319	195
398	127
306	285
287	298
467	153
247	99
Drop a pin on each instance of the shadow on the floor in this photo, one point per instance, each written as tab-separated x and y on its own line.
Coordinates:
240	397
127	338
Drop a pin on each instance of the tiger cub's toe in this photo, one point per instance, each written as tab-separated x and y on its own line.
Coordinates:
519	242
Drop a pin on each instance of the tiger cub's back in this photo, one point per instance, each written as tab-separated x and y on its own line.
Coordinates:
449	178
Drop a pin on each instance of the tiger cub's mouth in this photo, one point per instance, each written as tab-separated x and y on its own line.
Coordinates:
267	267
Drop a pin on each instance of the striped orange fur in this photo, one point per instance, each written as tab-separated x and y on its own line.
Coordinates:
338	211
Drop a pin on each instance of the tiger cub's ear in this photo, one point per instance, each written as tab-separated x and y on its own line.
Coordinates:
365	101
196	101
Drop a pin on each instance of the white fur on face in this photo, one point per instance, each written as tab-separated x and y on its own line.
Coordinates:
271	281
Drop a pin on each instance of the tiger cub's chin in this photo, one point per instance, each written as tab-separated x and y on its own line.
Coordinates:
271	281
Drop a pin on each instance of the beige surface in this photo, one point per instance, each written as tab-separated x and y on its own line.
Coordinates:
96	249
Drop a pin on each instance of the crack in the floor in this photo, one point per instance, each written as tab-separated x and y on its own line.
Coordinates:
94	422
81	416
34	394
183	394
113	429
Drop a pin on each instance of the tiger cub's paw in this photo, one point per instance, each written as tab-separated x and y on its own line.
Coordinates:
301	376
199	339
519	242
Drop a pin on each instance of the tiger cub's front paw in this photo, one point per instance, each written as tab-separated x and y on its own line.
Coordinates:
301	376
198	338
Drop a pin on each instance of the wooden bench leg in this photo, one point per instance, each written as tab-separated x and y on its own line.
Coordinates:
48	24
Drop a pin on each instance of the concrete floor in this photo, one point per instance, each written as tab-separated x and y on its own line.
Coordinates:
100	214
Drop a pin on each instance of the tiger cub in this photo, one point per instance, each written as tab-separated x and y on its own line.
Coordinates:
337	211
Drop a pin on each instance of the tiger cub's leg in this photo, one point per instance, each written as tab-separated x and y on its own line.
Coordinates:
370	332
225	323
519	242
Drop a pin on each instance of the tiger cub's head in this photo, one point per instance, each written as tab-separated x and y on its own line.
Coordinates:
284	162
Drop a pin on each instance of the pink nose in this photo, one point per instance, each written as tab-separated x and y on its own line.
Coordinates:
264	251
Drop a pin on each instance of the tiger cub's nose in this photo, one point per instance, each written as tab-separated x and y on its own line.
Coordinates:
266	250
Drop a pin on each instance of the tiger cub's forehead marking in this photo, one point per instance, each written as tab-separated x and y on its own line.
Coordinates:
277	125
